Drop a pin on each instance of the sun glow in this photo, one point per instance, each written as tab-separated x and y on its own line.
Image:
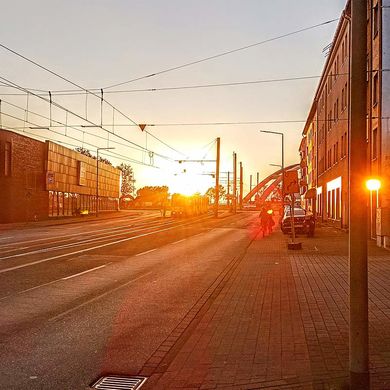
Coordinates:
189	184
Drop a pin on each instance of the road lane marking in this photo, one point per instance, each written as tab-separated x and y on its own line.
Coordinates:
41	285
78	243
142	220
176	242
84	272
144	253
63	314
91	248
100	236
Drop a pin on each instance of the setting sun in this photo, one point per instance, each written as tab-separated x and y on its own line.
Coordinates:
189	183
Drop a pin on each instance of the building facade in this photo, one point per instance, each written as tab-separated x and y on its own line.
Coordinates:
327	127
39	180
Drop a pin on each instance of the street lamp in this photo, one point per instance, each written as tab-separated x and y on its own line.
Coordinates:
373	185
281	134
97	177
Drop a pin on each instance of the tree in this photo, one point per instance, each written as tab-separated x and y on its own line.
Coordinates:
87	153
157	195
128	181
211	193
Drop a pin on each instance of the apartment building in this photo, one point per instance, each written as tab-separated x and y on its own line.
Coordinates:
326	130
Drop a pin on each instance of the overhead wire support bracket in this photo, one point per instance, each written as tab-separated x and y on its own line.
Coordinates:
194	161
50	103
101	107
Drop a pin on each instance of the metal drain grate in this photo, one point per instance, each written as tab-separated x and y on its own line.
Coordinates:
119	382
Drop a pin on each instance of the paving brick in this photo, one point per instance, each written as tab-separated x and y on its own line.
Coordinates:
281	321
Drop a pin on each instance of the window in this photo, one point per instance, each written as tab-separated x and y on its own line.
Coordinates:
7	159
374	142
375	89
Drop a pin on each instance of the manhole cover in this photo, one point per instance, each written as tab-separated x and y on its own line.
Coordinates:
119	382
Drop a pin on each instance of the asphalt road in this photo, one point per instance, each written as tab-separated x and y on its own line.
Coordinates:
98	297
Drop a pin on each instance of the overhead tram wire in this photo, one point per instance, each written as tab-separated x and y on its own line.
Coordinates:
66	143
84	119
223	53
73	92
71	82
65	125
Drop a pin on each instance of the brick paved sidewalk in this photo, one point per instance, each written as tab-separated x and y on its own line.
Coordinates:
281	322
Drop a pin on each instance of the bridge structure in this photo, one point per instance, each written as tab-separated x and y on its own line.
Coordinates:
268	188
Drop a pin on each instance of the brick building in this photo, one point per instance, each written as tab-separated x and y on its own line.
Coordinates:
326	129
39	180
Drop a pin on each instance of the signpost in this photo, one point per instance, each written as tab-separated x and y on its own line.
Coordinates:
291	187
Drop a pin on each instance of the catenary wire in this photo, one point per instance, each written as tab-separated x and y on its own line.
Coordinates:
84	119
72	92
64	125
222	54
76	85
63	142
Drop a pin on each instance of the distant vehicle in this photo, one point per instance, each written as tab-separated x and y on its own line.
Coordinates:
301	220
188	206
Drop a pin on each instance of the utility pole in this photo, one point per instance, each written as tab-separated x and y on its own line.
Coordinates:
228	190
358	272
250	185
258	178
234	182
217	177
97	178
241	183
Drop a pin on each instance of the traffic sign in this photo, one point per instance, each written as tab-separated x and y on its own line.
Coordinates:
290	182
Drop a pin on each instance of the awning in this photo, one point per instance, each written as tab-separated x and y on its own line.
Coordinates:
311	193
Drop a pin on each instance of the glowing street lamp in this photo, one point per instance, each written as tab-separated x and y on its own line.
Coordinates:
373	184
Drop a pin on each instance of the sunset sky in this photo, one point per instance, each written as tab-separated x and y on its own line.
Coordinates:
99	43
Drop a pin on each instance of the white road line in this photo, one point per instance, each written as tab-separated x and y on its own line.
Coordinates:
77	243
41	285
84	272
144	253
101	236
96	298
90	249
176	242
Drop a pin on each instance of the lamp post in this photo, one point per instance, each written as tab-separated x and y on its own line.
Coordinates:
97	178
282	135
373	185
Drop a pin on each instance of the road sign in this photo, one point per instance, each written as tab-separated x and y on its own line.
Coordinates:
290	182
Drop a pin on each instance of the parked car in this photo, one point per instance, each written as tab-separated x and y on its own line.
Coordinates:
303	221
